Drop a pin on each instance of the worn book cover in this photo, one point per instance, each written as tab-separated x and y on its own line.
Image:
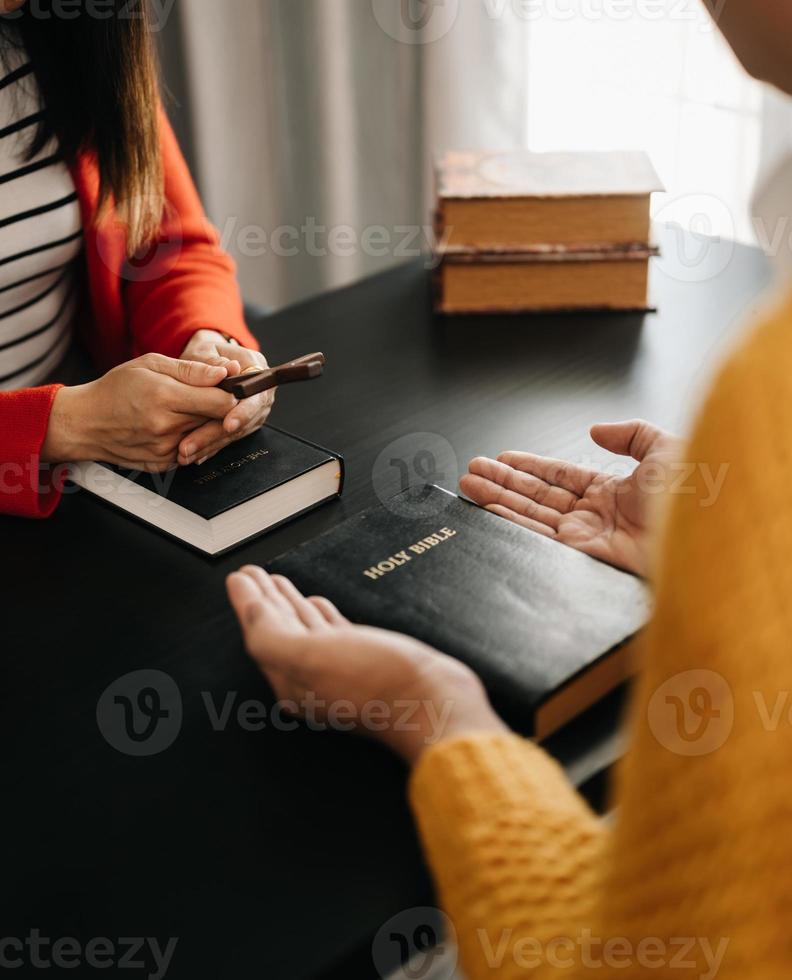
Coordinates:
524	201
544	281
467	175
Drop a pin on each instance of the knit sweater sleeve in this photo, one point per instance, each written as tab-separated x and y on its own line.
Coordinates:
693	880
515	851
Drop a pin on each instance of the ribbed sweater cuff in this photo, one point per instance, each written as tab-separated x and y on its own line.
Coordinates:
25	419
481	775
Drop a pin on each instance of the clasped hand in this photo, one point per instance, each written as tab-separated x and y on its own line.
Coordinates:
157	412
244	418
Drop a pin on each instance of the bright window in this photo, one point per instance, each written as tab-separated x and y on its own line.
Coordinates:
654	77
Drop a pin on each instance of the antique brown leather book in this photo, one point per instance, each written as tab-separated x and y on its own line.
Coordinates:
511	201
543	281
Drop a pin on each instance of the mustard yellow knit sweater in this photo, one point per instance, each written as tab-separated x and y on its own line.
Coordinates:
694	878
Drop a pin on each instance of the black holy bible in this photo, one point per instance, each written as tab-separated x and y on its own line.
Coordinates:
545	627
251	486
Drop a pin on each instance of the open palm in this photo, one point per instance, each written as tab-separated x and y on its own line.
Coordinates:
605	516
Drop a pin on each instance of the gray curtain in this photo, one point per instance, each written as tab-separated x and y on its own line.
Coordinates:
175	83
310	125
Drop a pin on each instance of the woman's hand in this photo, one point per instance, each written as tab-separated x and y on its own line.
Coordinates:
608	517
211	347
389	686
137	414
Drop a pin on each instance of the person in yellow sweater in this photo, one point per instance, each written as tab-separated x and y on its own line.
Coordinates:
694	876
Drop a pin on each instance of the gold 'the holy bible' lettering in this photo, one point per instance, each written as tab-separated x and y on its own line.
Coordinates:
401	558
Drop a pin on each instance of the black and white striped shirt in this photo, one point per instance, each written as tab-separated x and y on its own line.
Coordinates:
40	238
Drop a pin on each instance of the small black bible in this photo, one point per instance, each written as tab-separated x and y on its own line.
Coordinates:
250	487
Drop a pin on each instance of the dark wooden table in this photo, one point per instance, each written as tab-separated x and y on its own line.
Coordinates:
281	854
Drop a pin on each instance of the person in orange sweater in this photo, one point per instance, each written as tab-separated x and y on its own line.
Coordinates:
692	878
102	234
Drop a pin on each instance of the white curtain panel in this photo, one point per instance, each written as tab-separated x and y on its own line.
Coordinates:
315	122
776	131
771	208
475	83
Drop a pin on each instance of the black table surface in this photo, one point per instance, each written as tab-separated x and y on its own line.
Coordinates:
270	853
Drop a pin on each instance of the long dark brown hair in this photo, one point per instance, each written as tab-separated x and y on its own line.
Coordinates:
96	67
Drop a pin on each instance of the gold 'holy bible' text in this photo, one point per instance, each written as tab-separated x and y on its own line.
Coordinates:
401	558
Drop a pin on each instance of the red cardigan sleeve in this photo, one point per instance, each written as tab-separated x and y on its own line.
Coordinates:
185	281
25	489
